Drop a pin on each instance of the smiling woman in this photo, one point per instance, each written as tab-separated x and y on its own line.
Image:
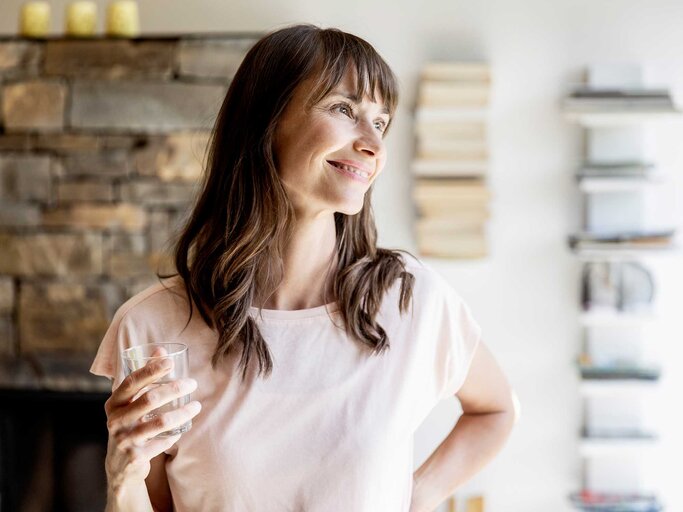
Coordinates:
315	354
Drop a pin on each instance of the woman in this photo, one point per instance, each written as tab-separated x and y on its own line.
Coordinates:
315	355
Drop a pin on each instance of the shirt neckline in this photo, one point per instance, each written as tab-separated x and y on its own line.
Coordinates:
295	314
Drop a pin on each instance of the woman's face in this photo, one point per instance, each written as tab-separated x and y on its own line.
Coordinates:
329	155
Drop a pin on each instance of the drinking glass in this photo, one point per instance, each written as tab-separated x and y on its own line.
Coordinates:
138	356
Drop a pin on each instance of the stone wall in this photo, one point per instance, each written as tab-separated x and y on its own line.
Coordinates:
102	143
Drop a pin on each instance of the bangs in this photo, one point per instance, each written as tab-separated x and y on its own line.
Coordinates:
340	51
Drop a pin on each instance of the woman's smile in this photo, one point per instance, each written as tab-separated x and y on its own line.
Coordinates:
349	171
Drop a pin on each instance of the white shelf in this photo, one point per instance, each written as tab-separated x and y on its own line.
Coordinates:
616	319
597	185
619	446
624	253
617	387
620	118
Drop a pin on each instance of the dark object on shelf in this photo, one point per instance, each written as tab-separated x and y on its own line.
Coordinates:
615	170
619	373
622	286
636	238
598	100
588	433
590	501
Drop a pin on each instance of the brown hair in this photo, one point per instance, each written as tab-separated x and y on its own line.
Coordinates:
229	253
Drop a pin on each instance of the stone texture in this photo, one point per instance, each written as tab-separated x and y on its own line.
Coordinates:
111	163
126	217
7	341
84	191
65	143
110	59
6	295
212	58
51	254
164	226
25	178
155	193
16	142
33	105
144	106
65	316
176	157
19	58
17	215
127	256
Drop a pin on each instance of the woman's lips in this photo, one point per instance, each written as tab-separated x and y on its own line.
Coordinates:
349	174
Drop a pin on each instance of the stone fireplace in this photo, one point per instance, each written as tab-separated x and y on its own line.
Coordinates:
102	144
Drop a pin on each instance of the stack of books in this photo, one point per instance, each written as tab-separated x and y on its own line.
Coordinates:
451	160
642	240
589	100
607	502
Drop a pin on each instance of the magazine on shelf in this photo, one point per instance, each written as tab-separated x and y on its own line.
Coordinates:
598	100
623	240
612	502
618	372
598	433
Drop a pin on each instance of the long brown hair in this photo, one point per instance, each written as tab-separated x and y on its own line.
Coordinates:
229	253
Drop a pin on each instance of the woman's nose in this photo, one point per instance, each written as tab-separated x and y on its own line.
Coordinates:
369	140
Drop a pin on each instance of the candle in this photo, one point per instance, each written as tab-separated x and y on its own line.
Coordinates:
81	19
35	19
122	19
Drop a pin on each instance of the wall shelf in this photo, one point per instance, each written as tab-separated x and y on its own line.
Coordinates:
597	387
620	118
615	319
619	446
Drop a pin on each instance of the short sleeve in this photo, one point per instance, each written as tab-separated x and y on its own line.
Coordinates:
457	338
118	337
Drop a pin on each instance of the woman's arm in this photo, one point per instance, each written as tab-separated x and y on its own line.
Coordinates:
489	412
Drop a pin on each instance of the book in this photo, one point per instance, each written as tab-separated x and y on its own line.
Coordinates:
452	94
619	373
456	71
617	169
432	148
623	240
446	130
433	188
467	221
598	100
445	168
593	501
451	247
616	433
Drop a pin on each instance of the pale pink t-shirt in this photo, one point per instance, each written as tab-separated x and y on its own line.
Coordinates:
332	429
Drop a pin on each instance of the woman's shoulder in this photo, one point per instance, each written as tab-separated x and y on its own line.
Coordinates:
163	299
426	277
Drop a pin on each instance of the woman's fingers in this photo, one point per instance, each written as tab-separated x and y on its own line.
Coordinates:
136	381
139	435
153	399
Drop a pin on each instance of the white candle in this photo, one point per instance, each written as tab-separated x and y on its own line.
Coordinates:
122	19
35	19
81	19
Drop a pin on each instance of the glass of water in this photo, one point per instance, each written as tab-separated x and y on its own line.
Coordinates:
136	357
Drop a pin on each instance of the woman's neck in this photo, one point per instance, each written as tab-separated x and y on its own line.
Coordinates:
309	265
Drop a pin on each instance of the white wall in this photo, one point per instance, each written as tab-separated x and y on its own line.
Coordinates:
525	293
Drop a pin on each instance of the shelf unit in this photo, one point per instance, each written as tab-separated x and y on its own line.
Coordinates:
609	130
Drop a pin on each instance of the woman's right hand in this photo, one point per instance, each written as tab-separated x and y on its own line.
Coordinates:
131	444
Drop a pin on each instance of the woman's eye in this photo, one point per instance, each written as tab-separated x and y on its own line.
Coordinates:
344	109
